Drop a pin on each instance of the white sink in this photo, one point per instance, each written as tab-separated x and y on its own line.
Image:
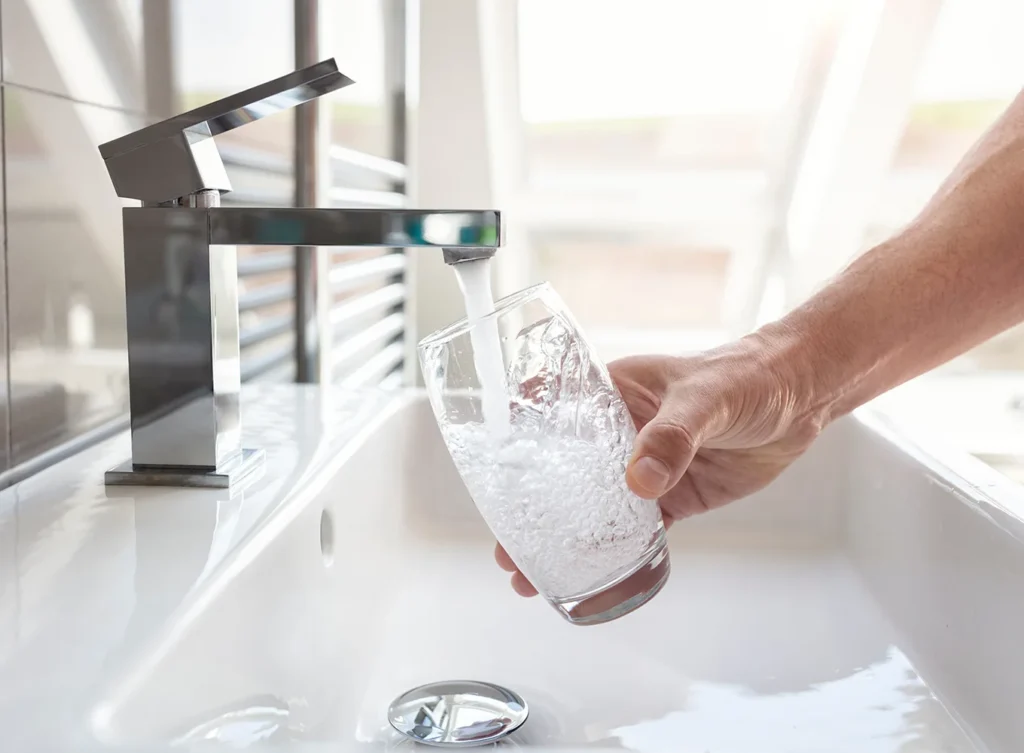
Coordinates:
868	601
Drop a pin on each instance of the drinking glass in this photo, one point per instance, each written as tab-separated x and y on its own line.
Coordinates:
541	438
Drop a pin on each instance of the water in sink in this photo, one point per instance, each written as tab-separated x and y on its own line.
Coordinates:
747	650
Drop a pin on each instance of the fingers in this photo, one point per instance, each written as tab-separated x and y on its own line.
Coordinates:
520	584
504	561
665	446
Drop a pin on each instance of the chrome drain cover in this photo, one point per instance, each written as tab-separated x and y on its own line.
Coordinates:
458	713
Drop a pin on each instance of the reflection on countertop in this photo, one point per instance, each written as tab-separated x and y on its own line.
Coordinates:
886	708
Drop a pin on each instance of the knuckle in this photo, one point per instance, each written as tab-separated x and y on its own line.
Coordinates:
671	439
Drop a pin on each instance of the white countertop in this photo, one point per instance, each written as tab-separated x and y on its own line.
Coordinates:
89	573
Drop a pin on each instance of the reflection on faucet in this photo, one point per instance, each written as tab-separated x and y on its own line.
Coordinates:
256	226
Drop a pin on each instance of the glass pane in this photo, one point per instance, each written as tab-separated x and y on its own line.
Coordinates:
579	272
354	36
89	50
653	132
657	85
971	73
229	45
68	359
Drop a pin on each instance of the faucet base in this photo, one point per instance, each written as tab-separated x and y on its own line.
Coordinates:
225	477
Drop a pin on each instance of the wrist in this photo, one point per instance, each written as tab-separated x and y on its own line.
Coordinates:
764	383
801	360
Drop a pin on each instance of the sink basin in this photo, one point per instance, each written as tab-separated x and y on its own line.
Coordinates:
867	601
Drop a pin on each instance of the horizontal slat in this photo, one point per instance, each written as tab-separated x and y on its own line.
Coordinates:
345	159
391	295
265	263
379	332
270	327
393	381
342	197
267	295
264	362
283	373
255	159
348	275
376	368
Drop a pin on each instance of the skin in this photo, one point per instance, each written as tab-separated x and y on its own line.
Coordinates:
720	426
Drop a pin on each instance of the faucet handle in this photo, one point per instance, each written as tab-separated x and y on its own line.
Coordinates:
177	157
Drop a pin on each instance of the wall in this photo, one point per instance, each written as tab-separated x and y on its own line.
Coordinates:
77	73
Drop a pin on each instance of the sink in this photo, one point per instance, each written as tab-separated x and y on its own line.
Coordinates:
867	601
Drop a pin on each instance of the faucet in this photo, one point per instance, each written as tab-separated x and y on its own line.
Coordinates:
181	281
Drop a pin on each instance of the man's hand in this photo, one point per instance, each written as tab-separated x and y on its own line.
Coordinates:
712	429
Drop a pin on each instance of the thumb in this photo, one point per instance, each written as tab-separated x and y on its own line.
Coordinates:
665	447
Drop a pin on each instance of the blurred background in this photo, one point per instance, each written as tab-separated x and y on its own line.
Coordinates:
680	170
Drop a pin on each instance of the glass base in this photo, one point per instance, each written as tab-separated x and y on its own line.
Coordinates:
622	597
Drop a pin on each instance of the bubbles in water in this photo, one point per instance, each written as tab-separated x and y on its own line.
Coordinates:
558	503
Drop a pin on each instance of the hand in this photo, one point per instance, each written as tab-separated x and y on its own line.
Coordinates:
711	429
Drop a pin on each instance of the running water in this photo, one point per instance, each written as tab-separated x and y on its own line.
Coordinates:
475	281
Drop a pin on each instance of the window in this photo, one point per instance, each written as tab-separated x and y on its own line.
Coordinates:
653	131
972	70
695	167
354	36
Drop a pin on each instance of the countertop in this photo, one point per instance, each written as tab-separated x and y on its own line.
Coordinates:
89	574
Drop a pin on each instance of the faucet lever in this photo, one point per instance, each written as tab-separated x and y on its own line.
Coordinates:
176	157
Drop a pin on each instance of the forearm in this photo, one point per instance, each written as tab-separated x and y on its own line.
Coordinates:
950	280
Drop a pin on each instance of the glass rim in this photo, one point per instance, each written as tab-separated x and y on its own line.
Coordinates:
501	306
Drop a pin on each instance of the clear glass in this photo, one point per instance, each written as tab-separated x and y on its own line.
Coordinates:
551	485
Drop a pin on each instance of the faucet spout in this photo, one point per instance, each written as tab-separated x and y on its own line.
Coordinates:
460	232
454	256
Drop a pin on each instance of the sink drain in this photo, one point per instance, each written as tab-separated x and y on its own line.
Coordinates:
458	713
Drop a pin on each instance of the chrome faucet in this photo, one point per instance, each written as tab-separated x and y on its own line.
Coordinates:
181	283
